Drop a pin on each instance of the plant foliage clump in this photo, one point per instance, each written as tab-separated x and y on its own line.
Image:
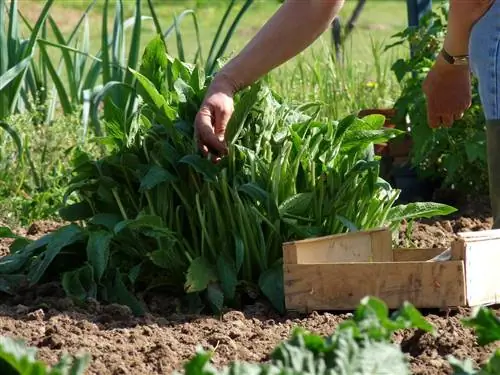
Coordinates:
153	213
456	156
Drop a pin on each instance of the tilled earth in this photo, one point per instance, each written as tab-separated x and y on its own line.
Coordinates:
163	340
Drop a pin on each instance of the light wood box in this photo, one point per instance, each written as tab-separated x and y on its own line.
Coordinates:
336	272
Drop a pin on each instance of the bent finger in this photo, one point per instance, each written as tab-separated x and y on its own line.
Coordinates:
206	134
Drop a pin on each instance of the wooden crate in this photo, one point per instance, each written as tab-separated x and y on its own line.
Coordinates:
336	272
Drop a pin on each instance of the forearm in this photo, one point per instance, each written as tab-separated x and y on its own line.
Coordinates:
463	14
295	26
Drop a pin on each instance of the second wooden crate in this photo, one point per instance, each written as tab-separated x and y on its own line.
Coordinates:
336	272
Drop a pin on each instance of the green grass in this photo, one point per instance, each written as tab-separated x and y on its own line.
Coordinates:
365	80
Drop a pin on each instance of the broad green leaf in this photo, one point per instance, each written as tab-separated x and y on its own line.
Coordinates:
227	275
215	297
271	285
154	98
108	221
61	238
200	274
200	165
150	221
375	121
98	248
121	294
18	244
418	210
297	205
155	176
80	283
154	63
161	258
76	211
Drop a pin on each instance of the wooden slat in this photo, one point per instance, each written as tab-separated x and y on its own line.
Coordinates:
290	253
458	249
342	286
382	246
409	255
345	247
482	264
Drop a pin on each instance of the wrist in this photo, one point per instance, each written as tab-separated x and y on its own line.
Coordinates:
225	83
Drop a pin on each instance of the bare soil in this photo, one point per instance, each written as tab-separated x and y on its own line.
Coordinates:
163	340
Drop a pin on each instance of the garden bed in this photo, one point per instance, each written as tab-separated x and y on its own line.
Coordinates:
164	339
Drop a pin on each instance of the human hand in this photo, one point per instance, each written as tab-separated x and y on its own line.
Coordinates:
448	91
212	118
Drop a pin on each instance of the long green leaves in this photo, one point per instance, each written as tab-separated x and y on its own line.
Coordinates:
15	57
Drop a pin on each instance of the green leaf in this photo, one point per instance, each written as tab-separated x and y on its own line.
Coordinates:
6	232
121	294
375	121
154	62
155	176
13	73
76	211
98	251
271	285
161	258
241	111
296	205
106	220
200	165
215	297
410	317
226	271
239	251
418	210
80	283
199	275
486	325
61	238
151	95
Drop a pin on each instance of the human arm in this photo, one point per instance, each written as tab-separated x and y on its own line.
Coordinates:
295	26
447	86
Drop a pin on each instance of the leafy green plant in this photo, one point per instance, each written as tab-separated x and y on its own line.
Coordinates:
18	359
458	153
156	214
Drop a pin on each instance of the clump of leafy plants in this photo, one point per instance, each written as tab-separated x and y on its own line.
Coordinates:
454	157
18	359
154	214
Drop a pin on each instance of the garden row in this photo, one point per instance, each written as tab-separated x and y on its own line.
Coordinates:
362	344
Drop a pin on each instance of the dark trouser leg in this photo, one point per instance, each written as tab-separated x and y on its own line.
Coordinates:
493	135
